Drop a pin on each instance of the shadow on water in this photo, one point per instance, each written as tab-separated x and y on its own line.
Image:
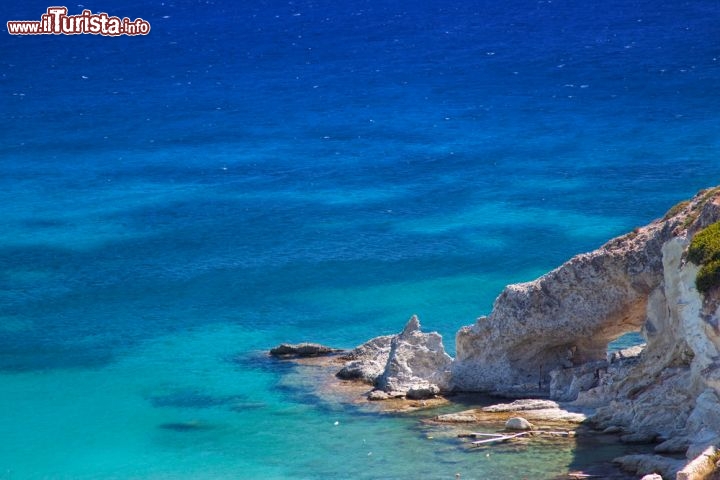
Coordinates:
192	398
23	354
128	291
593	454
185	427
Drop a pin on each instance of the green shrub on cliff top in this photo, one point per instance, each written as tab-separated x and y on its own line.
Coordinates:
705	250
705	245
708	276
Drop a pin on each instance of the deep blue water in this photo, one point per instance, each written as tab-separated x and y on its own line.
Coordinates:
285	171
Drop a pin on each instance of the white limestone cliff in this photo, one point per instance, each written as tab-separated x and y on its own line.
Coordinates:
556	329
673	390
549	337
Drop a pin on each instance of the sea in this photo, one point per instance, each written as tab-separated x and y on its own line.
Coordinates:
250	173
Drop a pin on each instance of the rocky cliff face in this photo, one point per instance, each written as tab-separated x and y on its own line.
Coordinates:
564	318
549	337
672	391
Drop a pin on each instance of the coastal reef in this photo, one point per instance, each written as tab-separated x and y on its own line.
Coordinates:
549	338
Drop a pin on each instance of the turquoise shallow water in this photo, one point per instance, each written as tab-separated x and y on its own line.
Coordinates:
176	204
184	407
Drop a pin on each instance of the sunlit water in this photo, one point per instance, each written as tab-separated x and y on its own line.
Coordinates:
176	204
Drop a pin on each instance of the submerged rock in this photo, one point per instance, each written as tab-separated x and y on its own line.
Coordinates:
194	399
462	417
302	350
639	438
612	429
185	426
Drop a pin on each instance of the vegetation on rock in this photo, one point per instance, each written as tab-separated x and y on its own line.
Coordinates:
695	205
705	250
708	276
675	209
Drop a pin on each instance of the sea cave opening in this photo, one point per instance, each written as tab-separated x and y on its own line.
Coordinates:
626	340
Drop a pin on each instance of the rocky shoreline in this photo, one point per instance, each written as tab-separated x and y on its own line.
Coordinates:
538	421
548	339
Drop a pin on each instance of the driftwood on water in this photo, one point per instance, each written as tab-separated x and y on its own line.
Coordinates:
504	437
500	438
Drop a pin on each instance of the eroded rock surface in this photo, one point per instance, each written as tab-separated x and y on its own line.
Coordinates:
673	390
411	363
549	336
564	319
518	423
538	410
417	363
649	464
367	362
523	405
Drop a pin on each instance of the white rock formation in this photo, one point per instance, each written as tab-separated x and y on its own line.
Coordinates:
554	331
673	391
652	476
411	362
518	423
417	362
700	468
563	319
550	336
367	361
667	467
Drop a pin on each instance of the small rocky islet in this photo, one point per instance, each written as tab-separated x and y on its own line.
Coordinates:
545	342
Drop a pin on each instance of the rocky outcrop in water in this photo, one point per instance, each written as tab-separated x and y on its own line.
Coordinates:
549	337
367	361
417	363
411	363
301	350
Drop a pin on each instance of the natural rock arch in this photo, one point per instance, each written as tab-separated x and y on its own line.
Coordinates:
565	318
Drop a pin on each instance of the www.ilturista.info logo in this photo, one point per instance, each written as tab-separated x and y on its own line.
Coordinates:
57	22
